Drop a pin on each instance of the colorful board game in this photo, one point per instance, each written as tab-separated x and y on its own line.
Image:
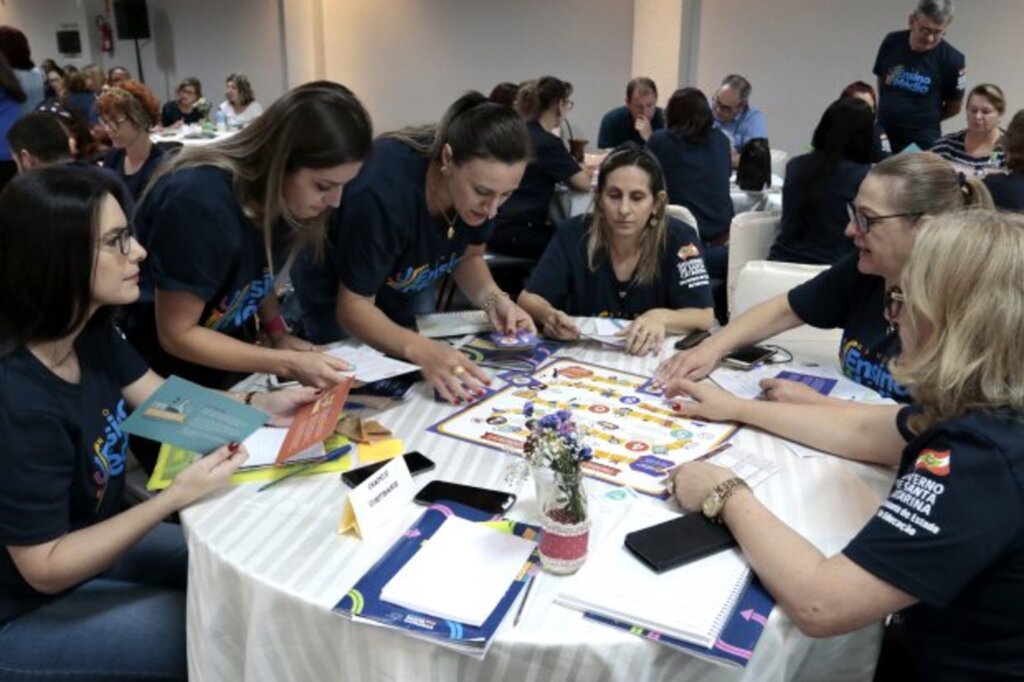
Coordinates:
634	433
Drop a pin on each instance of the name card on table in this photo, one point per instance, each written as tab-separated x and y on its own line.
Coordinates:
377	499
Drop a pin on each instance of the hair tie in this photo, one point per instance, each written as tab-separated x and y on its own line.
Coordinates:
961	179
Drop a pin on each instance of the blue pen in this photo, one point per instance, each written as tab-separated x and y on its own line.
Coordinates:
306	466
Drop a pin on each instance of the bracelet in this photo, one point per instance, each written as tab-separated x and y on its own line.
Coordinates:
275	325
248	398
493	298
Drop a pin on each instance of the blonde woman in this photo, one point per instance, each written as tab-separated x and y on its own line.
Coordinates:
978	148
627	260
885	218
947	546
239	107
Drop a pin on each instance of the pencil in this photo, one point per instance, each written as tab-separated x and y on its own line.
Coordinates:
522	604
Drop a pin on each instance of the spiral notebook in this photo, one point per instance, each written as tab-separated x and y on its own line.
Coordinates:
691	603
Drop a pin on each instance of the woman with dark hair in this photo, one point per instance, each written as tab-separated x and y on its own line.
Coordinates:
626	260
127	112
945	549
1008	188
239	107
419	212
11	99
864	92
75	570
187	107
504	93
522	227
14	46
56	84
216	220
821	184
697	157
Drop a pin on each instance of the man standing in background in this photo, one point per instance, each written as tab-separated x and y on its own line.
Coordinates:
921	77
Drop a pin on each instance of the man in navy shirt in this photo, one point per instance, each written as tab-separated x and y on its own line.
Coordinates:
921	77
634	121
734	116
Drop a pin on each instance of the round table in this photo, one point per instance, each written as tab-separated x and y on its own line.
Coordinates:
266	569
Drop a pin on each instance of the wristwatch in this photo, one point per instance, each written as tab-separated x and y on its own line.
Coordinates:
714	503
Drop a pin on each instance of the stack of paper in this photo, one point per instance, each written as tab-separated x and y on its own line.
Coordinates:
438	325
604	330
691	603
371	365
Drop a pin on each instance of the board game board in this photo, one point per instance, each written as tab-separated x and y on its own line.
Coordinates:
634	434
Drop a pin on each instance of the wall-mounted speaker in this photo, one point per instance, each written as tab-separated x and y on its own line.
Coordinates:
132	19
69	42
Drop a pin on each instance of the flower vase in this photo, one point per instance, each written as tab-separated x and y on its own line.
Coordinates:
565	522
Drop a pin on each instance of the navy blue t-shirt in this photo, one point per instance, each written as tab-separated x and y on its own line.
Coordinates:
914	86
844	297
618	127
552	163
563	278
697	177
1007	190
383	242
63	460
171	114
814	233
201	242
951	533
137	181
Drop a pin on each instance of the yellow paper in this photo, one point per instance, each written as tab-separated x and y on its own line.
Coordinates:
348	520
380	451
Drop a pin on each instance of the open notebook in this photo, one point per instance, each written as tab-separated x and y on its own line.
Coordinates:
691	603
459	323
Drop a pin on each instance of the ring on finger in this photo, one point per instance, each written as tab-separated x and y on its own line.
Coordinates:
458	370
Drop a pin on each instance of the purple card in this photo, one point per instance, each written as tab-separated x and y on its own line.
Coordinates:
822	385
518	341
649	389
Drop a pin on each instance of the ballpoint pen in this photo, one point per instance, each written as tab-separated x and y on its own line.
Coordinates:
522	604
306	466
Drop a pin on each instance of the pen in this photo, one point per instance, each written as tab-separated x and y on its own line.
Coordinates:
306	466
522	604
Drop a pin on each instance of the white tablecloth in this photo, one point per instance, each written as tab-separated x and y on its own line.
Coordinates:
266	568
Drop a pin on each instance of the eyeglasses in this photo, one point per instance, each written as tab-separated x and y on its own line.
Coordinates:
725	109
864	223
122	239
926	31
112	125
894	300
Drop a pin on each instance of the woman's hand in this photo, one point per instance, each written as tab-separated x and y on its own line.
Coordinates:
314	368
695	363
693	482
287	341
644	335
508	318
207	474
561	326
456	378
283	404
709	402
786	391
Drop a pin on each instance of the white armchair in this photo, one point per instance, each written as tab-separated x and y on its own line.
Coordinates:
750	238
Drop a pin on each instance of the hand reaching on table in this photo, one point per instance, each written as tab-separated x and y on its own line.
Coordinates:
508	318
560	326
786	391
283	404
709	402
644	335
693	482
694	363
315	368
456	378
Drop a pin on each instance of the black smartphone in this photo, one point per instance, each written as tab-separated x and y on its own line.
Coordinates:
416	461
748	357
692	339
484	499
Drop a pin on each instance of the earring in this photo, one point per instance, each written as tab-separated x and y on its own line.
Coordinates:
445	170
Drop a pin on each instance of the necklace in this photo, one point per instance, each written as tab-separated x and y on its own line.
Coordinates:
451	223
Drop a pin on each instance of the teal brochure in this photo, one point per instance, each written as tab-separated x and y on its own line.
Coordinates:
192	417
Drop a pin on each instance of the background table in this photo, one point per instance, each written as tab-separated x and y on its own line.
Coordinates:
266	568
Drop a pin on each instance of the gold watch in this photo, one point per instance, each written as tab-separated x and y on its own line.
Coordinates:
714	503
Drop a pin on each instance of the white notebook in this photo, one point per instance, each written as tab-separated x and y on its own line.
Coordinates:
460	573
370	364
439	325
692	602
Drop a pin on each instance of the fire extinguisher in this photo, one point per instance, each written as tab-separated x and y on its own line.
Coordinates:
106	34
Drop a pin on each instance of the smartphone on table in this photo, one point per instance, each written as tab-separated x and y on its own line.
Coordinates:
748	357
484	499
416	461
692	339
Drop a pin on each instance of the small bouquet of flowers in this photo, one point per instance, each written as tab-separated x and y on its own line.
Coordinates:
554	451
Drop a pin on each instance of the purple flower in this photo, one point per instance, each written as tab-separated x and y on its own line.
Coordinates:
549	421
564	416
528	409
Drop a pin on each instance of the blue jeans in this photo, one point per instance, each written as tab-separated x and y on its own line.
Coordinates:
128	623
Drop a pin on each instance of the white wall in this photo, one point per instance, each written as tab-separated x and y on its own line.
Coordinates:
41	19
799	54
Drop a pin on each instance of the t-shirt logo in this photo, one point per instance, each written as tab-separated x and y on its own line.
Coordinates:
109	450
902	78
236	309
687	251
419	278
934	462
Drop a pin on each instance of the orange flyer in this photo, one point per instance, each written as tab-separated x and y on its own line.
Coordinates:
315	422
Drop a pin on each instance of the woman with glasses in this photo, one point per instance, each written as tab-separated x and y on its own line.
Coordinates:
127	112
627	260
885	218
945	549
87	591
821	184
187	107
522	227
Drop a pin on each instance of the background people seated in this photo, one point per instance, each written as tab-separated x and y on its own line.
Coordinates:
127	112
636	120
1008	188
864	92
187	107
239	107
978	149
820	185
734	116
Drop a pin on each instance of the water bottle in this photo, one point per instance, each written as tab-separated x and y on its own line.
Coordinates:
221	121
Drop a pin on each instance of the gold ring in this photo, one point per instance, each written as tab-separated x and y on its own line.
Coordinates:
458	370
